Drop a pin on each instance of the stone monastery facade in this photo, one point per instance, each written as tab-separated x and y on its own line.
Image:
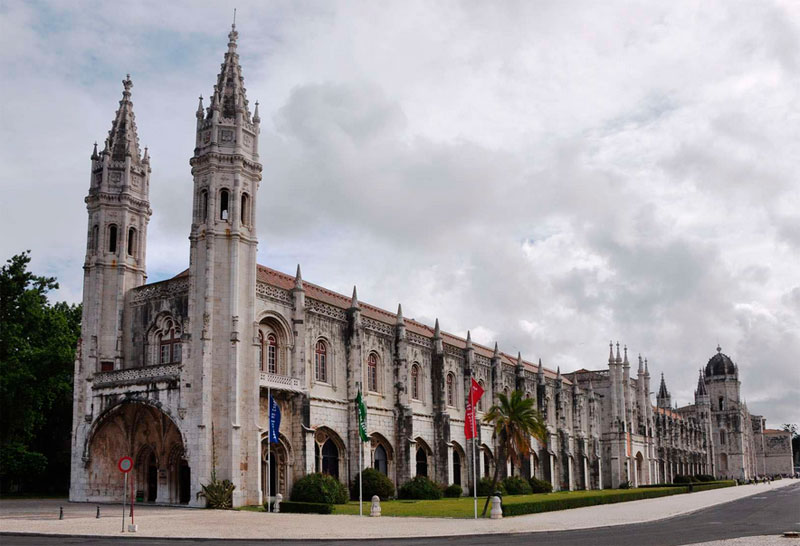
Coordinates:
175	374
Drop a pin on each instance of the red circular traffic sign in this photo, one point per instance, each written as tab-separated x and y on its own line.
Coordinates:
125	464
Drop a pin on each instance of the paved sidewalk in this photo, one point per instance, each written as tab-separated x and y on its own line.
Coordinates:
79	519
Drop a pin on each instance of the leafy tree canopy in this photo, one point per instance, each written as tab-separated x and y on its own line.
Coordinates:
37	351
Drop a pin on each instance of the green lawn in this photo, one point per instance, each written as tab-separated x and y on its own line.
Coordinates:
462	507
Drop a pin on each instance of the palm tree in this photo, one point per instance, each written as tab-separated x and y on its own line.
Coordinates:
515	421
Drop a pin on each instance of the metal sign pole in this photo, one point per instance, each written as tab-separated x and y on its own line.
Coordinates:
269	447
124	495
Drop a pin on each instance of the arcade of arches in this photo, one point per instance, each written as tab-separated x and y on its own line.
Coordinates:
145	433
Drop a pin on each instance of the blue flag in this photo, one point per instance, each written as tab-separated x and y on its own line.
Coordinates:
274	420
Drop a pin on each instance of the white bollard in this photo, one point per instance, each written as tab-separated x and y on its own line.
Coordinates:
497	510
276	507
375	511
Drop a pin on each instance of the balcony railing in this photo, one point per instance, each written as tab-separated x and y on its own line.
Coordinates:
132	376
279	382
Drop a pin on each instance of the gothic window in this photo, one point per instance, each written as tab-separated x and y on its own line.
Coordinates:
372	372
204	205
456	468
451	387
224	205
169	343
722	437
721	403
95	237
112	238
422	462
321	361
272	353
260	351
480	400
381	460
107	366
132	242
415	381
245	209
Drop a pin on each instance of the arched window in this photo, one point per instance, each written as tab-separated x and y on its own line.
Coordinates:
722	437
131	241
245	209
95	237
505	391
480	400
169	344
260	351
204	205
381	460
372	372
112	238
330	458
451	387
272	353
456	468
422	462
415	381
721	403
487	463
321	362
224	205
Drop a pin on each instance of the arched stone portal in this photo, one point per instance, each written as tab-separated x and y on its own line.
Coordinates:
278	470
139	430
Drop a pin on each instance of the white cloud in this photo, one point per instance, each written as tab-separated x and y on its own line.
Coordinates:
549	175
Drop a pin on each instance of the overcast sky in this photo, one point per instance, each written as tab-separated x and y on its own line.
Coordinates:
550	175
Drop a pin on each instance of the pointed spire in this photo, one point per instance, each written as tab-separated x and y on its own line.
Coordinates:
200	109
701	385
627	364
400	314
662	389
468	344
646	369
519	360
256	117
618	360
591	388
354	300
229	93
437	332
94	152
558	377
122	139
611	352
298	279
146	156
540	371
641	365
496	351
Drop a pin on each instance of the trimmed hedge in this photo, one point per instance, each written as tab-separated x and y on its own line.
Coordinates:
319	488
421	488
548	505
514	485
540	486
291	507
453	491
705	478
374	483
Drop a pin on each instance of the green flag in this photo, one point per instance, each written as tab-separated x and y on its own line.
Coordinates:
361	413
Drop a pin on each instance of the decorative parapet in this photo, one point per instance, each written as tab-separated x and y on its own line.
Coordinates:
482	360
316	306
134	376
453	350
377	326
279	382
417	339
269	292
160	290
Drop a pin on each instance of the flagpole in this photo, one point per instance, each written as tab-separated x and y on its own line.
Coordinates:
474	439
269	447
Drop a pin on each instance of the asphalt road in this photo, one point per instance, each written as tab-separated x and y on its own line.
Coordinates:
770	513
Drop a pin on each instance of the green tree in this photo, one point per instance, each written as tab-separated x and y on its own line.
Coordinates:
37	351
792	427
515	421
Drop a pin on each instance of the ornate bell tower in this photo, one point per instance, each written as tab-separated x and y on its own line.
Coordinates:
119	210
223	240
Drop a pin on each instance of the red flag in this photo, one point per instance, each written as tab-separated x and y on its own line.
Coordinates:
475	393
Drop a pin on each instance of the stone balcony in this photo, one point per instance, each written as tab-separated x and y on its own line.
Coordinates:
137	376
279	382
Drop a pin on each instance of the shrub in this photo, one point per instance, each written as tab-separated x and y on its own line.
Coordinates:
419	487
290	507
704	478
624	485
514	485
453	491
374	483
540	486
485	487
319	488
681	478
